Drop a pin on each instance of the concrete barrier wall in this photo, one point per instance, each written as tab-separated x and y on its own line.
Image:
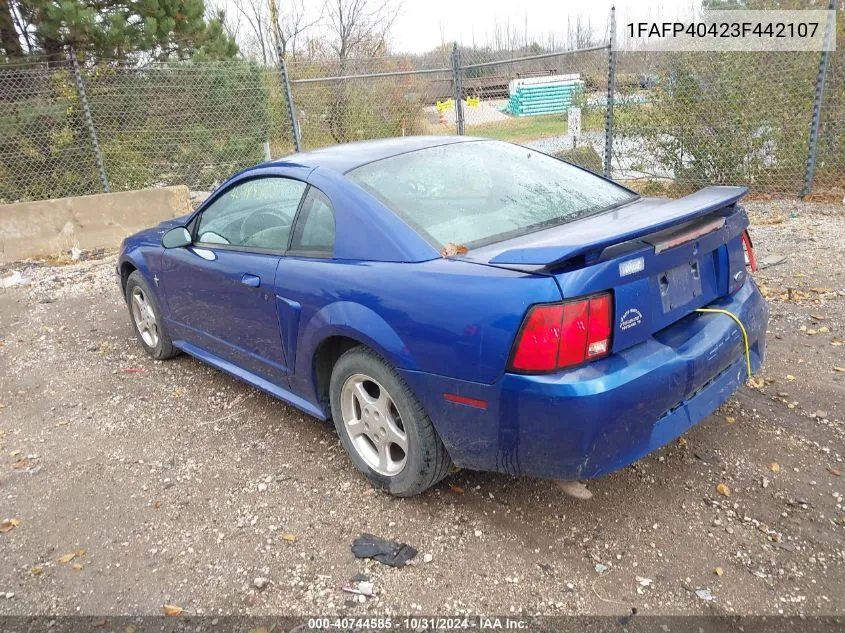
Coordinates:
52	227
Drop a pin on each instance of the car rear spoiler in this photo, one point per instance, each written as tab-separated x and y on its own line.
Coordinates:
595	233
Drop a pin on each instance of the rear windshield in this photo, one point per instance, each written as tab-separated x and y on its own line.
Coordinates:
479	192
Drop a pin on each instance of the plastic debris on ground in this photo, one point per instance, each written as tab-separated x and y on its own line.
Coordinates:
704	594
384	551
360	587
15	279
772	260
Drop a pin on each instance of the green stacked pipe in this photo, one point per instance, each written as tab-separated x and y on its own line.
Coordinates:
547	95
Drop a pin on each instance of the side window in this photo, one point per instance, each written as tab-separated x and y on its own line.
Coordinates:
257	213
314	232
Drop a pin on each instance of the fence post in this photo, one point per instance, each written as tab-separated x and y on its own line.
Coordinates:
611	91
815	122
294	125
83	98
456	79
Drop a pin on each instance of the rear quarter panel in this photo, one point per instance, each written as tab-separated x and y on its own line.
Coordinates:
442	316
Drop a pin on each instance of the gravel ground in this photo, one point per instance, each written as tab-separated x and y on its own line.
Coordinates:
135	484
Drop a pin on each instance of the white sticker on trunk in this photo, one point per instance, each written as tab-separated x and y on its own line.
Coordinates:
630	318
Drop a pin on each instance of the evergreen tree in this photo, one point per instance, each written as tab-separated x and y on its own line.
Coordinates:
114	29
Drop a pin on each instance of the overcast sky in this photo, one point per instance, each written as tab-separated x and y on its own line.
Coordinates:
420	22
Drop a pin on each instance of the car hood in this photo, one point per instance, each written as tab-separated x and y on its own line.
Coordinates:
152	235
173	222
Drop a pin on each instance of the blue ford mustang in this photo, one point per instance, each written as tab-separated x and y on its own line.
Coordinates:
459	301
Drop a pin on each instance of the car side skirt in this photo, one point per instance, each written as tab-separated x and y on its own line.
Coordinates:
256	381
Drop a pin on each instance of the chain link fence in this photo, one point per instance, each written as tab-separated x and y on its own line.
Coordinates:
830	159
680	120
357	100
45	146
529	100
186	124
400	96
164	124
684	120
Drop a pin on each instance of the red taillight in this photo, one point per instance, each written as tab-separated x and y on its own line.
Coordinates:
539	340
748	249
564	334
573	333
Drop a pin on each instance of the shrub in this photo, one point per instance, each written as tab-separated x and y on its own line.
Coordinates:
583	156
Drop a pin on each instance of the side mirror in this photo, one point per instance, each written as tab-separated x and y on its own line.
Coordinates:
176	238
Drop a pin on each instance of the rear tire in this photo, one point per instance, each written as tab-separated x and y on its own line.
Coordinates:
383	426
145	314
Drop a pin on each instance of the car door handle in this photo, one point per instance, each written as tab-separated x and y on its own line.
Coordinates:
250	280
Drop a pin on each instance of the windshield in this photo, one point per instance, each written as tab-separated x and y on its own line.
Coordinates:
478	192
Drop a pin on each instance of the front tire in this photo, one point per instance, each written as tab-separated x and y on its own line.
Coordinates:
383	426
145	314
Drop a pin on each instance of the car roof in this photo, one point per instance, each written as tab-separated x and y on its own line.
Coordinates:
346	156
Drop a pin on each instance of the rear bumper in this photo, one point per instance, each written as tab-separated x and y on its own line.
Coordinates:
593	420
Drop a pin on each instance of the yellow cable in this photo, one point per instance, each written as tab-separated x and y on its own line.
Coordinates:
741	327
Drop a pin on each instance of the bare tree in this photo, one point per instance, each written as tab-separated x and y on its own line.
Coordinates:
355	28
580	34
257	41
258	38
293	23
359	27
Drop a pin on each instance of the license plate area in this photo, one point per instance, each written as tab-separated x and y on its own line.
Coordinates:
679	285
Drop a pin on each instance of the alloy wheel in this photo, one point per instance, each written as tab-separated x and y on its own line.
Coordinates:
374	425
144	317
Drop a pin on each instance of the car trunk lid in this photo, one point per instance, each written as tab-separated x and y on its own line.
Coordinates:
662	259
